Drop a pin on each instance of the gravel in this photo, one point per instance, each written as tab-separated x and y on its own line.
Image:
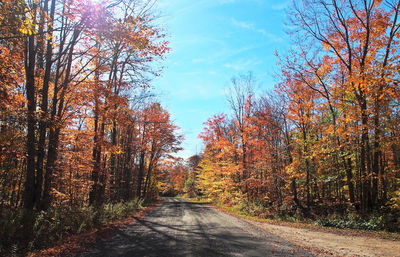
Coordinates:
177	227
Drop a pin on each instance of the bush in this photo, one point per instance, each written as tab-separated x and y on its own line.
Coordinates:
120	210
252	208
52	225
89	218
189	187
373	223
10	228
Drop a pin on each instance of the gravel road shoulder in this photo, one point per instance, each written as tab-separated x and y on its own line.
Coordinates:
322	243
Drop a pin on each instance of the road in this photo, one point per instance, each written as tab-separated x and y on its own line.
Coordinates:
177	227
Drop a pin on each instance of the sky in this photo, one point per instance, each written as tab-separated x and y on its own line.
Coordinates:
211	41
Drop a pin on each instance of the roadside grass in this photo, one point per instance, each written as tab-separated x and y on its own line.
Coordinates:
293	222
199	200
74	244
58	226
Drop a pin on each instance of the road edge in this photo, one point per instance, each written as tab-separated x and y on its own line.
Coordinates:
79	243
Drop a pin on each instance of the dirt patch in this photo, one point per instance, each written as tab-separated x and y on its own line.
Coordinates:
331	243
323	241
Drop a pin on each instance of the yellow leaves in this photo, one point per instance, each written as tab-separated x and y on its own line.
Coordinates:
25	31
59	195
325	46
28	25
395	199
117	150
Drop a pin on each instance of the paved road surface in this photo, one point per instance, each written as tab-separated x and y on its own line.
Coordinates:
177	227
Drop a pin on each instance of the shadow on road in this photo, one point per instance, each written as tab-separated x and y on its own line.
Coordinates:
181	228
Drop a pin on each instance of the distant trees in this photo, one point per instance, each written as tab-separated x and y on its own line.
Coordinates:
180	177
328	138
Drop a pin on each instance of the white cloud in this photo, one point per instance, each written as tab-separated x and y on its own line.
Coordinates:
243	65
280	6
199	92
252	27
222	54
226	1
198	60
243	24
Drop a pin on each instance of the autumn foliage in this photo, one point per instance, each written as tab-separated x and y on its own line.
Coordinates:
327	140
79	125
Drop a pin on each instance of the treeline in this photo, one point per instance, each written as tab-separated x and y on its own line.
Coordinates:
78	123
180	177
328	139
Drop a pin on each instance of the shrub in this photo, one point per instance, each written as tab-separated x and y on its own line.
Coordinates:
89	218
10	228
252	208
52	225
373	223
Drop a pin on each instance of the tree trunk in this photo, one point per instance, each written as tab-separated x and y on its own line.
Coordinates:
29	185
96	154
140	174
56	117
349	175
376	157
43	124
364	160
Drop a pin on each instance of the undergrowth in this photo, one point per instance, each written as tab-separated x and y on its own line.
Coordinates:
377	222
374	223
199	200
52	225
386	220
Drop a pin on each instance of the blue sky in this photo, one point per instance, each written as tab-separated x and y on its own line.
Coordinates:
212	41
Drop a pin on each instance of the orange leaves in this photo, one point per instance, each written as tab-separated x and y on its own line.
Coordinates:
159	134
332	123
326	46
213	128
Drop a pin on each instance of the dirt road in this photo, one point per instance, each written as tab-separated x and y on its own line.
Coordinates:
323	243
180	228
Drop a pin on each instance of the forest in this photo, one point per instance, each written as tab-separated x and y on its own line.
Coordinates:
325	144
84	139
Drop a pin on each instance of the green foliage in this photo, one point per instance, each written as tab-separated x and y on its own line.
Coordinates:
189	187
89	219
120	210
373	223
